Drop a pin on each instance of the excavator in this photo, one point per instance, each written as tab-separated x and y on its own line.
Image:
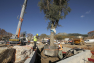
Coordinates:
16	39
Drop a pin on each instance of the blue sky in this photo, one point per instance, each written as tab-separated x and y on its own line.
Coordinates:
79	20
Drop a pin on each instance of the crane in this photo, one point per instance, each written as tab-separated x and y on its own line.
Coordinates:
16	38
21	19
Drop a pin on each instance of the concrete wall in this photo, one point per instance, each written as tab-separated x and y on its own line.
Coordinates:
78	58
31	58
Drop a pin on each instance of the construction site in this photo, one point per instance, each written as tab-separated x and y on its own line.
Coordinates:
55	48
26	54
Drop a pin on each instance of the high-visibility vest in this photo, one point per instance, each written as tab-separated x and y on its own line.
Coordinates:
35	39
60	47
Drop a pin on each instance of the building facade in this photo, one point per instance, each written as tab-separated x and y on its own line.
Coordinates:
90	34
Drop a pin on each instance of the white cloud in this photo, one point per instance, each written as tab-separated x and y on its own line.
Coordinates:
88	12
82	16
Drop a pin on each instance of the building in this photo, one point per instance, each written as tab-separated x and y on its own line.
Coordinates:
91	33
45	38
79	36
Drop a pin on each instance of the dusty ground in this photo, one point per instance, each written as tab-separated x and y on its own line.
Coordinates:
86	46
47	59
43	58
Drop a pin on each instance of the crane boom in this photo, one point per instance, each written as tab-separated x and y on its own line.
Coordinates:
16	39
21	18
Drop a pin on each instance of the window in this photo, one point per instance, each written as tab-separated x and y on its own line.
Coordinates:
24	39
86	40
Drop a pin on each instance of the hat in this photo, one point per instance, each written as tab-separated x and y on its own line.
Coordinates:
37	34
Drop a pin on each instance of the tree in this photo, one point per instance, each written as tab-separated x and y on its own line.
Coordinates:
58	37
29	36
54	10
43	36
9	34
4	34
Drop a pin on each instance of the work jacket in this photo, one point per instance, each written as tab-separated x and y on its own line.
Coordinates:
60	47
35	39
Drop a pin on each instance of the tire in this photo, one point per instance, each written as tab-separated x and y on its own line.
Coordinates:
24	43
72	43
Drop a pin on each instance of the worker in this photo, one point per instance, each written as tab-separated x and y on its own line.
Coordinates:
60	47
48	41
35	40
60	55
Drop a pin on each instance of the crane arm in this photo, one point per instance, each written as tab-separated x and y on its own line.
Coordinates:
21	18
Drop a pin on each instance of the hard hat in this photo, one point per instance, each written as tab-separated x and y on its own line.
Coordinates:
37	34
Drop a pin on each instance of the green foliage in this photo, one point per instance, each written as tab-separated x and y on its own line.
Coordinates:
85	35
58	37
54	10
4	34
43	36
77	34
29	36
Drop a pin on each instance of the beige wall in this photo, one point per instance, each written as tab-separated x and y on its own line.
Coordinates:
91	34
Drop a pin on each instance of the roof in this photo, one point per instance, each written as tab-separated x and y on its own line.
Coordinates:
90	31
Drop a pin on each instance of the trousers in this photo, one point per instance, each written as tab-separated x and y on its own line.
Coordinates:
35	44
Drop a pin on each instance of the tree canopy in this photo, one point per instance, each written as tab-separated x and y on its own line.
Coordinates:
54	10
4	34
29	36
43	36
58	37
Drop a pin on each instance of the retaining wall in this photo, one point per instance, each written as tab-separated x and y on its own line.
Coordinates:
31	58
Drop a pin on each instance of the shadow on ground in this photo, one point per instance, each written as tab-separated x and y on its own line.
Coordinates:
38	58
41	58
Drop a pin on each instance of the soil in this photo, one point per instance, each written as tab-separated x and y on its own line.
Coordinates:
86	47
47	59
92	56
41	58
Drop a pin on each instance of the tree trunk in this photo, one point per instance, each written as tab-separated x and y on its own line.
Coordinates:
52	39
